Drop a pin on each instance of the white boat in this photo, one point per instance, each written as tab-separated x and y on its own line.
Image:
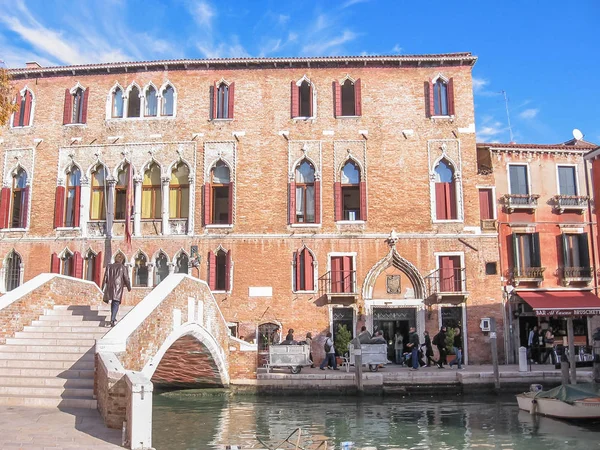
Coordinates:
581	401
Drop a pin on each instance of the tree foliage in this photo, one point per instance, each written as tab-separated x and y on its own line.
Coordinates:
342	339
7	107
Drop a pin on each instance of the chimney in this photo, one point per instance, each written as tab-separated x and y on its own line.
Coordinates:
32	65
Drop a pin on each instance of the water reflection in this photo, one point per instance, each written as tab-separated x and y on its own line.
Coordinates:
383	423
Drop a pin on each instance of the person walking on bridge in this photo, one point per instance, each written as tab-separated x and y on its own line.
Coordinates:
116	277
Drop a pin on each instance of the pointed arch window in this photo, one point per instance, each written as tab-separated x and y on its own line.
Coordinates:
179	192
151	193
93	267
304	270
23	117
182	263
75	107
348	98
12	274
67	264
302	99
168	101
219	270
222	100
19	201
161	268
445	192
98	192
350	194
73	197
133	102
151	102
121	192
140	271
303	194
117	103
218	196
439	97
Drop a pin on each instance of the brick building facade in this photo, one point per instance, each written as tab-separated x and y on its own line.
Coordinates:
279	181
546	236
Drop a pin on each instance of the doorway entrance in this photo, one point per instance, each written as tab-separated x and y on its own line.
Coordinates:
343	317
452	317
391	320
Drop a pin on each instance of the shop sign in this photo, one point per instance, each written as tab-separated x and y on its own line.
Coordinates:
566	312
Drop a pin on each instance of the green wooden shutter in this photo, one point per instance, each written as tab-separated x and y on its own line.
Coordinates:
536	257
565	250
584	251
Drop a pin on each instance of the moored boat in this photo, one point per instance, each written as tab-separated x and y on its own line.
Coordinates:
581	401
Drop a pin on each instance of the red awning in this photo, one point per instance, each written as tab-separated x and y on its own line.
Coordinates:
562	303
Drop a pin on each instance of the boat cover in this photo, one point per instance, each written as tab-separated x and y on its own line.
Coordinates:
571	392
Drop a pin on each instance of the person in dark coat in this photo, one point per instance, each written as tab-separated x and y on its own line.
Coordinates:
458	346
116	277
439	340
413	345
428	349
364	337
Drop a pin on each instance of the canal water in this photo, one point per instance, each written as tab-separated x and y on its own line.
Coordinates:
212	422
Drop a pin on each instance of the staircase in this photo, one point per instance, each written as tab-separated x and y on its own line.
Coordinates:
51	362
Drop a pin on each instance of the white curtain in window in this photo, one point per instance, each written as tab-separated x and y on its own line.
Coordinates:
310	203
299	201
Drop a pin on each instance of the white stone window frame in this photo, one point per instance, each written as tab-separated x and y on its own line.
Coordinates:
29	184
109	102
446	81
230	274
159	101
208	176
31	113
149	265
166	195
155	256
576	167
143	101
352	255
458	186
462	263
176	257
126	96
318	178
61	258
529	186
164	86
313	99
363	178
62	181
315	272
72	91
87	255
3	289
215	107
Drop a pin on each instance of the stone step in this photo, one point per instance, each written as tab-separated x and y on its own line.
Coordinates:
37	372
97	307
48	402
87	364
36	341
44	391
11	348
61	329
47	356
40	381
97	334
71	323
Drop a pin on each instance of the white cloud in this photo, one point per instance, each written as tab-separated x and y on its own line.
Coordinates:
349	3
479	84
282	19
329	46
231	49
490	129
203	13
397	49
530	113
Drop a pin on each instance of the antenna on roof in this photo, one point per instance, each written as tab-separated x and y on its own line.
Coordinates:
508	116
578	135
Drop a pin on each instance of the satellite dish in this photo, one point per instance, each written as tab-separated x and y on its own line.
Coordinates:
578	135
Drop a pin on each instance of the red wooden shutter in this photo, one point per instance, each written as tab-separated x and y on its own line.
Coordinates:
27	115
485	204
446	267
77	265
317	201
309	273
451	97
54	263
68	108
17	114
440	201
337	194
4	207
357	98
215	103
337	99
230	203
212	271
451	200
84	106
311	107
77	206
336	274
297	259
347	273
292	202
295	101
207	216
362	187
98	269
231	101
59	207
24	207
428	112
228	271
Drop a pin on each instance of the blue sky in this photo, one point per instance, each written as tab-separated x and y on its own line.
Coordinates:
544	54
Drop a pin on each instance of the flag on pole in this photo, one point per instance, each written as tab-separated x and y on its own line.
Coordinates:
128	206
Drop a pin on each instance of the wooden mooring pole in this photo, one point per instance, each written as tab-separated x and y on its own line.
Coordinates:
572	360
494	346
358	366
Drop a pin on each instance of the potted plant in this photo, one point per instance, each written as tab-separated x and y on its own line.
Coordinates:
342	339
450	345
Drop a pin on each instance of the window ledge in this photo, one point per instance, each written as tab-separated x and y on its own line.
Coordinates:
302	119
4	230
21	127
305	225
442	117
351	222
217	226
348	117
221	120
68	229
448	221
74	125
221	292
304	292
133	119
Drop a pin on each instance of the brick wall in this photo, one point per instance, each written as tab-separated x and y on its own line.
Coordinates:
110	388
